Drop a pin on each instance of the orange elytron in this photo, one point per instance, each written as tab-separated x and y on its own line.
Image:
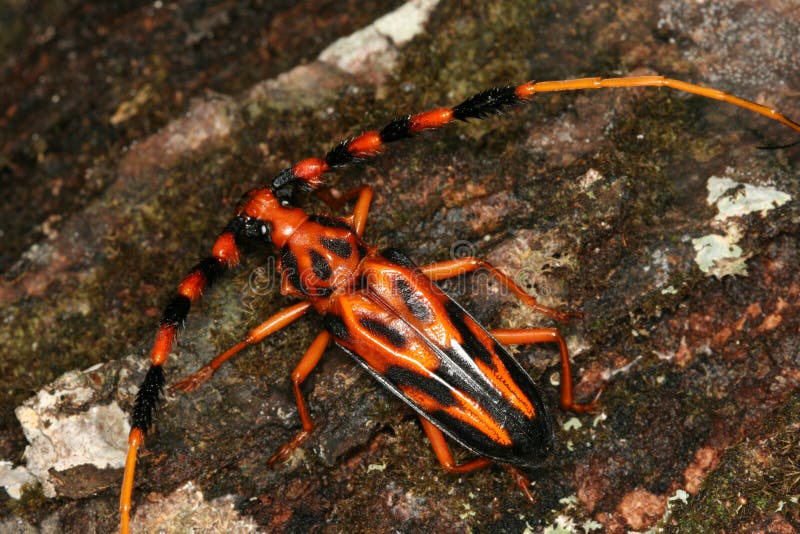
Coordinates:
387	312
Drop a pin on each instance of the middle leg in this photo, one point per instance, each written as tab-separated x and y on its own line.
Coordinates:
449	269
307	364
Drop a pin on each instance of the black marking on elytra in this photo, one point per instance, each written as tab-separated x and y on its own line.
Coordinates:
362	250
392	335
176	311
320	266
147	398
340	247
498	348
469	435
336	326
416	305
330	222
399	257
401	376
290	269
399	128
490	102
472	346
340	155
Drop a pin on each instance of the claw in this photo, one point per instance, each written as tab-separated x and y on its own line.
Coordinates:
565	317
558	315
522	482
193	381
284	452
589	407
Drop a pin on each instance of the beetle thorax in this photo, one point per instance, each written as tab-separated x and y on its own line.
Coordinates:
321	258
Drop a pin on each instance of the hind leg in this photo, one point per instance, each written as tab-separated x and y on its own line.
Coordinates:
527	336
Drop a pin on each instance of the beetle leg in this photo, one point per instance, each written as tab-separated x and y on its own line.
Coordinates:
280	320
526	336
359	216
445	457
361	210
449	269
443	454
300	373
521	480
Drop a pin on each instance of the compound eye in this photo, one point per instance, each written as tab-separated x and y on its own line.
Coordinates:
265	231
255	229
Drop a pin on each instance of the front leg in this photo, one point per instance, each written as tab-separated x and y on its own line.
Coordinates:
299	375
358	218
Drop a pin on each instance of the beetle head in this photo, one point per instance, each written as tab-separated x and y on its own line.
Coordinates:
269	217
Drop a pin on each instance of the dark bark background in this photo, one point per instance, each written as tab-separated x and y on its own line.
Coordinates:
111	192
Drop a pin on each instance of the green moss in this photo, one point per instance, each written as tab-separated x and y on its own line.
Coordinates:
32	506
757	476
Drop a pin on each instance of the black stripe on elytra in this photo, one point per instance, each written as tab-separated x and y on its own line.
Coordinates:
290	269
411	298
330	222
147	398
385	331
336	326
490	102
340	247
473	438
399	257
320	266
399	128
401	376
472	346
176	311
